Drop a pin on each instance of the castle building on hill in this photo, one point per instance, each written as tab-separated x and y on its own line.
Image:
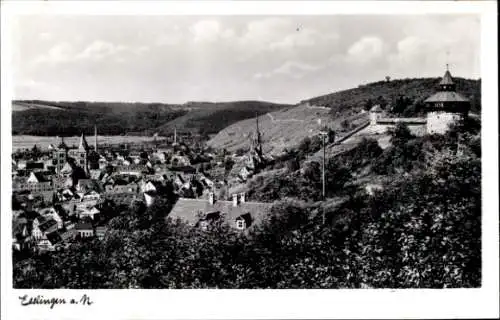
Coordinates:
444	108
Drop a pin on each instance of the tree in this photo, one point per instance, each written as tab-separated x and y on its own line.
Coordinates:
400	134
293	164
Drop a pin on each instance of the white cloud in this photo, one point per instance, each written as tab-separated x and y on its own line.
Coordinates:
292	69
300	38
209	31
170	39
45	36
100	49
365	50
61	52
97	50
280	34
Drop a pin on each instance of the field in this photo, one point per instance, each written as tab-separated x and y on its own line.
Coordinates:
43	142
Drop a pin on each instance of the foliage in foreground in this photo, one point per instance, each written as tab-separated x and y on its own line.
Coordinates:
421	231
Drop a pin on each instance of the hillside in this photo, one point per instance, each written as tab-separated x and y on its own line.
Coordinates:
210	118
384	92
341	111
72	118
116	118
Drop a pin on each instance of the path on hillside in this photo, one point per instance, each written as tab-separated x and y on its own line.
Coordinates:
283	120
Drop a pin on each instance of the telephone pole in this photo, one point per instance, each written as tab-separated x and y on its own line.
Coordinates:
323	135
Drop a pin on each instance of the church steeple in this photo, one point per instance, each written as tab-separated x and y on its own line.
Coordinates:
258	138
83	146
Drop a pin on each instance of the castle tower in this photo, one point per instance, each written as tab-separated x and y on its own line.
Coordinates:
446	106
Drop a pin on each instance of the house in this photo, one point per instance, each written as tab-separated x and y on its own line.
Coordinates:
238	213
148	186
96	174
180	161
62	182
85	185
159	157
90	196
42	226
122	188
91	212
36	182
68	235
52	213
51	242
133	169
100	232
21	235
84	229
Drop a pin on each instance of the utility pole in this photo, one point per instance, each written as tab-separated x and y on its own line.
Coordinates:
323	135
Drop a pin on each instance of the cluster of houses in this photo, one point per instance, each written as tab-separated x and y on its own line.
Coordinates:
59	197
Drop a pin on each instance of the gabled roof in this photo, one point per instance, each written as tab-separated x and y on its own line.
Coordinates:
189	209
54	237
47	225
36	177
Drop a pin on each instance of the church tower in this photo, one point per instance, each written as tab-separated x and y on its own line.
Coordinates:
256	157
446	106
60	156
82	154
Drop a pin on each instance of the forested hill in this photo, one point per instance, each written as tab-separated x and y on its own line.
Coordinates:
285	129
35	117
206	117
415	90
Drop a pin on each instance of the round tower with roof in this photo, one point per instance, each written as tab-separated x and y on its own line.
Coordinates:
446	106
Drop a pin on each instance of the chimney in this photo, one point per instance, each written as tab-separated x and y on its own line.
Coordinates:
242	197
235	200
211	198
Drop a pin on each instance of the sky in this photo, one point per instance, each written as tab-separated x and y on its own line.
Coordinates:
284	59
